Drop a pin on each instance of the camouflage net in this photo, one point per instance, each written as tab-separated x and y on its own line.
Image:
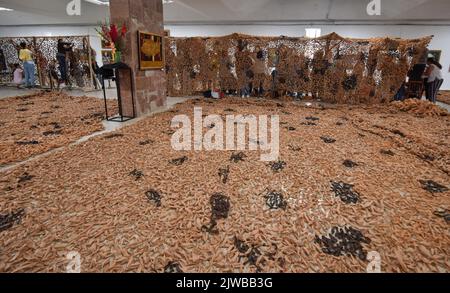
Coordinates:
332	68
45	49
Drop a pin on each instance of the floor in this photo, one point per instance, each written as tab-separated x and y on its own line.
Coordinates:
112	126
109	126
111	93
42	122
6	92
128	202
445	106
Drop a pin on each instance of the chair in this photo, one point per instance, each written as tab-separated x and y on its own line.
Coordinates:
415	86
414	89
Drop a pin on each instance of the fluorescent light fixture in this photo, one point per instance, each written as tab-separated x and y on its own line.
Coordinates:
106	2
313	32
98	2
5	9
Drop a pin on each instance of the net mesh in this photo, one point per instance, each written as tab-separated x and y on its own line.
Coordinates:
332	68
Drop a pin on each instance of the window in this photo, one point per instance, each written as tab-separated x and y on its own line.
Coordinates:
313	32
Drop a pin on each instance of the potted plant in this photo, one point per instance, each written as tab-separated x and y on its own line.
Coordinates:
114	34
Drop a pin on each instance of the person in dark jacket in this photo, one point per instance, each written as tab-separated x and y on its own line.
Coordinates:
63	48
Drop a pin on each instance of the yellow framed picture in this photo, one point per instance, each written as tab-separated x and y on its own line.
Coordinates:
151	52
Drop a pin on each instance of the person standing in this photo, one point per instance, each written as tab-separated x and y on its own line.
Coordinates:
63	48
96	76
2	61
26	56
259	69
434	79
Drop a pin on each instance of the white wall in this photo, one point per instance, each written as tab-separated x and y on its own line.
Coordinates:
49	31
440	41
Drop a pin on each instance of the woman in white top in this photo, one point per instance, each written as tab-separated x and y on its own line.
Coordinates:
435	80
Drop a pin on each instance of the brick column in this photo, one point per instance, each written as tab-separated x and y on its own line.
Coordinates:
147	16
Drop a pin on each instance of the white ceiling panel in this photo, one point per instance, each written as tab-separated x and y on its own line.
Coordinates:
29	12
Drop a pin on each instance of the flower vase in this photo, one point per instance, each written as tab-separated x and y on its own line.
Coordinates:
118	57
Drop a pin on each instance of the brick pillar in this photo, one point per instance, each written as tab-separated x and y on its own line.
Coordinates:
146	16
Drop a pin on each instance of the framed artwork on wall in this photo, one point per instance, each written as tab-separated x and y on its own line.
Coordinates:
437	54
151	51
107	56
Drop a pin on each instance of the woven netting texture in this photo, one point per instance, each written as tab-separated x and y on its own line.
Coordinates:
332	68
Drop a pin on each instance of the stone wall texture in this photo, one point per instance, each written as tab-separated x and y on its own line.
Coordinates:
147	16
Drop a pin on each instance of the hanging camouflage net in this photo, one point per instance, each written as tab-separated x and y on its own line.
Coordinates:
332	68
45	50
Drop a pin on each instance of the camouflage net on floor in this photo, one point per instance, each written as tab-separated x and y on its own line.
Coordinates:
333	68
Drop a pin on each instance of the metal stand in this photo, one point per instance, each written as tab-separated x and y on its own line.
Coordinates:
106	75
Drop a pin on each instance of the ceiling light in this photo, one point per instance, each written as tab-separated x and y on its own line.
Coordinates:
98	2
167	1
5	9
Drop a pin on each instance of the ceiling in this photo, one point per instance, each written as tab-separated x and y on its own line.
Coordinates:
242	11
179	12
41	12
